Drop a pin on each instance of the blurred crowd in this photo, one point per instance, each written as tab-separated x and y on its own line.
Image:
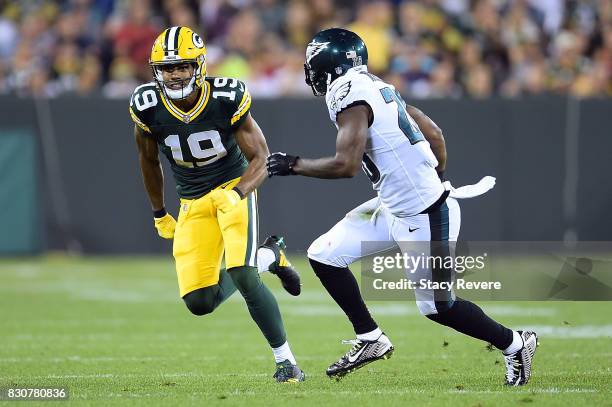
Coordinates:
426	48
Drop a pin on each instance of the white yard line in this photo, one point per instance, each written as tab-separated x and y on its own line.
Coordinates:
160	375
572	332
409	308
99	359
358	393
552	390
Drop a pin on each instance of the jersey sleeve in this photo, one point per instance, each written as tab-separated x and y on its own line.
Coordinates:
240	109
234	99
142	105
347	92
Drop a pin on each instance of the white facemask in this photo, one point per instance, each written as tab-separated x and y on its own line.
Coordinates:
175	94
180	93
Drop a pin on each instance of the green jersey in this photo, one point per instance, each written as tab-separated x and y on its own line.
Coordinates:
199	144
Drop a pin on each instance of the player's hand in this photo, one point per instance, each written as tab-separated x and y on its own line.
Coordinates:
165	226
281	164
225	199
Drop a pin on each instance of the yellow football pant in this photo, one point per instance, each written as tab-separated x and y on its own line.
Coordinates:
203	234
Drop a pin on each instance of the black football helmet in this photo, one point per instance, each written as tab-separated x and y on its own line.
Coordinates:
330	54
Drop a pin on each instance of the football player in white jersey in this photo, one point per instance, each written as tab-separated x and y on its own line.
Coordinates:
403	153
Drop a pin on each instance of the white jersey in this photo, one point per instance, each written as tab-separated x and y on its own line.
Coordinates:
398	159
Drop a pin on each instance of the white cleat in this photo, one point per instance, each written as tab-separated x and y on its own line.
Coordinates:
362	353
518	364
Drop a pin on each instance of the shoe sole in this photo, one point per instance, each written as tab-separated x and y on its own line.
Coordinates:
340	374
295	379
532	354
290	281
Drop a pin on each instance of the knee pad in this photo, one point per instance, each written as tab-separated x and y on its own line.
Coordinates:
200	302
428	308
322	250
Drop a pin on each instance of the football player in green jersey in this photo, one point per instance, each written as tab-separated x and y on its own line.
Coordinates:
217	154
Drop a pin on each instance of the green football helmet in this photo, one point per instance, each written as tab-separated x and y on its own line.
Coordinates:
329	55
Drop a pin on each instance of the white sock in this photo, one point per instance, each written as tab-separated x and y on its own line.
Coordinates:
516	345
283	353
265	257
370	336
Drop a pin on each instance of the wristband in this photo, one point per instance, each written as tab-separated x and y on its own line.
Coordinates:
160	213
291	170
239	192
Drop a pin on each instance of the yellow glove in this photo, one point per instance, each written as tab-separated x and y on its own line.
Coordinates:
165	226
225	199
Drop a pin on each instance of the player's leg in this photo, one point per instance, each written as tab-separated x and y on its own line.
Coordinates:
198	251
239	230
518	359
443	307
330	255
205	300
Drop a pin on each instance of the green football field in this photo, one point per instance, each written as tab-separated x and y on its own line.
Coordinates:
113	331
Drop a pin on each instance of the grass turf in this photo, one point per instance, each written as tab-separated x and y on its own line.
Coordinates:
114	331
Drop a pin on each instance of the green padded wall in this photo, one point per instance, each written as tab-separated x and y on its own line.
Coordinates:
19	220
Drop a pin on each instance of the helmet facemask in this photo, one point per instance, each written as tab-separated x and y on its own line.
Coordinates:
188	84
318	81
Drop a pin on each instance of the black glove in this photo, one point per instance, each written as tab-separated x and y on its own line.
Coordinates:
281	164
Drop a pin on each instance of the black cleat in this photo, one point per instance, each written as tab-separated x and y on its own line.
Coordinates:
288	276
362	353
288	373
518	364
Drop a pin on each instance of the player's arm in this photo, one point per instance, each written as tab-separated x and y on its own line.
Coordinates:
433	134
153	178
253	145
350	146
150	167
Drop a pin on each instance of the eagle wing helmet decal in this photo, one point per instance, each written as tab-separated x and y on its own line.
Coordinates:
313	49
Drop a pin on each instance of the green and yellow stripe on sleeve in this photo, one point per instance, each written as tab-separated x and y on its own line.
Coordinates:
139	122
243	108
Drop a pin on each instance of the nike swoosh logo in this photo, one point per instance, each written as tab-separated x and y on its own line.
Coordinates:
356	355
411	229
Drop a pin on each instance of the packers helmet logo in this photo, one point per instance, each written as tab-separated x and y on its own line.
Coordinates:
314	49
197	41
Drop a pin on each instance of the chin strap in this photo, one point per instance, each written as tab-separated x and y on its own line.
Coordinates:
329	81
